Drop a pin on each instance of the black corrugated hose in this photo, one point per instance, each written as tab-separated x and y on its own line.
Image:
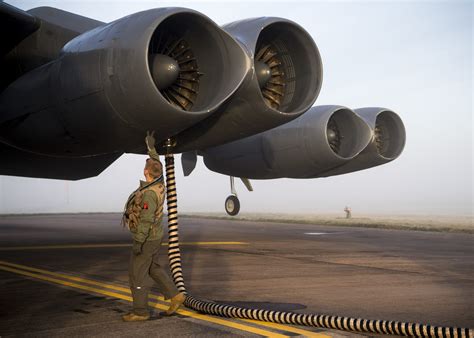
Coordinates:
388	327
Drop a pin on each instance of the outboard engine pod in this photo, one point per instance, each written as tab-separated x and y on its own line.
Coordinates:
346	134
161	69
283	83
386	144
389	134
323	138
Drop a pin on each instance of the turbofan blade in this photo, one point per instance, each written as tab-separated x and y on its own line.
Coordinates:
270	75
175	70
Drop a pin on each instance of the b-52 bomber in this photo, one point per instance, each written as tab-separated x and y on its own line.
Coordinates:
76	94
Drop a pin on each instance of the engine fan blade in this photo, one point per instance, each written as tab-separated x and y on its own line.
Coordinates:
270	75
175	70
382	138
333	136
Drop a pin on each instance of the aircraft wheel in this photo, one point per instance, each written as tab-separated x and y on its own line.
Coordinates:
232	205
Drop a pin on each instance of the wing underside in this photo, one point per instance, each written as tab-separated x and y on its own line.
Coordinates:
15	162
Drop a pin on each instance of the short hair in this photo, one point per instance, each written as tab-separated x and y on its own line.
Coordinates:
154	167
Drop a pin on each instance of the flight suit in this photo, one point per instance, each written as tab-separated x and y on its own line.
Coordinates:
147	239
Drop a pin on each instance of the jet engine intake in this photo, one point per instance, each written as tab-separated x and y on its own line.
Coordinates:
288	77
386	144
323	138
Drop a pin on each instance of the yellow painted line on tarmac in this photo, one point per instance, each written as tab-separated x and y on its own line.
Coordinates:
78	279
120	245
65	283
283	327
73	278
159	298
187	313
210	243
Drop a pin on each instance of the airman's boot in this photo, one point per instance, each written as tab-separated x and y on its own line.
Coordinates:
131	317
176	302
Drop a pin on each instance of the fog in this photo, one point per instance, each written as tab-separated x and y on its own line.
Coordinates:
412	57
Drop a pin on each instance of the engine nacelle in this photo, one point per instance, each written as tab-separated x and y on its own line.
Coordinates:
387	142
283	83
161	69
325	137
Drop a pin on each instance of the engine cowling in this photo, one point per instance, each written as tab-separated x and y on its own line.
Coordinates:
161	69
386	144
283	83
323	138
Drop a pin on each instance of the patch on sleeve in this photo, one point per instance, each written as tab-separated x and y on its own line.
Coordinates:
145	206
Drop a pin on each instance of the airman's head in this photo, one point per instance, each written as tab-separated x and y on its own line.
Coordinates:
153	169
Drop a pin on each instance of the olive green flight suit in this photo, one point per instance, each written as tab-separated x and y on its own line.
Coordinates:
147	238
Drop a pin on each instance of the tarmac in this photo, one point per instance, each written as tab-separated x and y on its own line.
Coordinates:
66	275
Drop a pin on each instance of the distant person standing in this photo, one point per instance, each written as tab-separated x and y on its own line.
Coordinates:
348	212
143	216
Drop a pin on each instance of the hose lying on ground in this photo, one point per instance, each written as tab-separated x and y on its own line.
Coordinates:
323	321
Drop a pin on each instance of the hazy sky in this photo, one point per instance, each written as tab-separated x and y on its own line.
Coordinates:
412	57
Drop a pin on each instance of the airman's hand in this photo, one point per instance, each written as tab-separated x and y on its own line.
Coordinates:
150	140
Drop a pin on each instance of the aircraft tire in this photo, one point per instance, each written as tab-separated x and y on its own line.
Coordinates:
232	205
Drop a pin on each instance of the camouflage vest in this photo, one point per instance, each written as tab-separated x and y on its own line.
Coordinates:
132	209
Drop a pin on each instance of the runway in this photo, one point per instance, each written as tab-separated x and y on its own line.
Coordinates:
66	275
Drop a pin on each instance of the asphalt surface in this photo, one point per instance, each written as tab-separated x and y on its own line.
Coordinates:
66	275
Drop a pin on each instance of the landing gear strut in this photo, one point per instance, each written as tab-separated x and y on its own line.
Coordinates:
232	203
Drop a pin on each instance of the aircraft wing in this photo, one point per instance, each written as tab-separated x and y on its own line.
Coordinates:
15	162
